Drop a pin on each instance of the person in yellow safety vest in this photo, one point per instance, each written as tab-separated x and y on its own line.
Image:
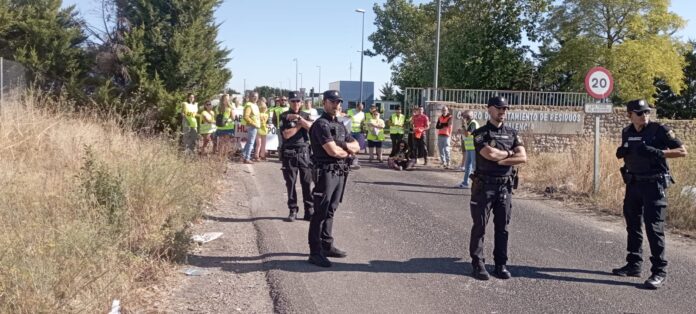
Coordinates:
263	131
444	131
280	107
225	121
188	115
396	128
207	127
469	126
357	117
252	122
375	135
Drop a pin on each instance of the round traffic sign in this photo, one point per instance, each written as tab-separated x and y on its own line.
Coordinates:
599	83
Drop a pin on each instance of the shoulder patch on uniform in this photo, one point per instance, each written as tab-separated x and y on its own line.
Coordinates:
519	140
671	134
478	138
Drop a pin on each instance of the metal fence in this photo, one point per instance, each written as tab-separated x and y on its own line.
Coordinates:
12	79
418	96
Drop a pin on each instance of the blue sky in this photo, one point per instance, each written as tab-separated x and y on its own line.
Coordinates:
266	35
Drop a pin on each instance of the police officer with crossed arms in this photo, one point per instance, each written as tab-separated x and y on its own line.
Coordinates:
332	147
498	148
645	145
294	127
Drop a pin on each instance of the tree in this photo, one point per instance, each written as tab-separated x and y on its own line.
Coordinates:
481	42
268	91
630	38
47	40
681	106
388	92
166	49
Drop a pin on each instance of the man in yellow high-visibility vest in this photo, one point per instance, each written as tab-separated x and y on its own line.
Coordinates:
396	128
357	117
469	125
188	114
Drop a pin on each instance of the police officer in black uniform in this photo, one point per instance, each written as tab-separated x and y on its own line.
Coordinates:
644	147
294	127
332	147
498	148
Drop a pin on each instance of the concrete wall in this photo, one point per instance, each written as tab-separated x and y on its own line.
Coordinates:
610	127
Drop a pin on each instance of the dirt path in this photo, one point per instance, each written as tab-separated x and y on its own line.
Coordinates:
221	287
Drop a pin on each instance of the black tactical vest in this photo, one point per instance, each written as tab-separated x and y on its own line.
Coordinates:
338	133
637	164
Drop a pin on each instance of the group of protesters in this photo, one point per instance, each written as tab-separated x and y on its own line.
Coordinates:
212	127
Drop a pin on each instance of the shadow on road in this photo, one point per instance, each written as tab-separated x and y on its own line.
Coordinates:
432	192
232	219
441	265
397	183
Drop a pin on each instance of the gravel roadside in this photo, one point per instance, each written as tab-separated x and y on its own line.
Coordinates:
229	277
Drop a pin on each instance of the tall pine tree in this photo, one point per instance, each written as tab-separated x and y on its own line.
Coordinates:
48	40
170	49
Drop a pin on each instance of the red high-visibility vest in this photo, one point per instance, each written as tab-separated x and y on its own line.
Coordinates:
447	130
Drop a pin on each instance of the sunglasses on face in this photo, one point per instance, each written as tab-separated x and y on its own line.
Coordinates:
641	113
293	101
336	101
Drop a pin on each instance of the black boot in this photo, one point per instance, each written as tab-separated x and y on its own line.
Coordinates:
308	215
630	270
479	271
332	251
292	217
319	260
502	272
655	281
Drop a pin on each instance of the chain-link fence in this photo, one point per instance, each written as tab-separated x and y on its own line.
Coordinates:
12	80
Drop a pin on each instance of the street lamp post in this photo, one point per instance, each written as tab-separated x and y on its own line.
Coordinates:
301	81
437	48
295	72
319	66
362	50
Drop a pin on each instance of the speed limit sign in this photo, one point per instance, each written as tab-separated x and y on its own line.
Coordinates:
599	83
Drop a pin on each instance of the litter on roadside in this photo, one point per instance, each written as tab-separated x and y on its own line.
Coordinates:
115	307
206	237
192	271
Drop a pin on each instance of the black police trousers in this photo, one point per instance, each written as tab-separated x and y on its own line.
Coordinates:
487	198
327	195
296	161
645	201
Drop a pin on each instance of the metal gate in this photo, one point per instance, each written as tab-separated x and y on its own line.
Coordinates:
418	96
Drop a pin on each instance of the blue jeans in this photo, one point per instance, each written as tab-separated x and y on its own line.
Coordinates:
251	139
443	145
469	165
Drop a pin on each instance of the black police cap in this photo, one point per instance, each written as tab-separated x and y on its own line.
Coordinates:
332	95
638	105
293	96
498	102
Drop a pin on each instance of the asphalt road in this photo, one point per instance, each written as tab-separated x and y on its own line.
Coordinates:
407	237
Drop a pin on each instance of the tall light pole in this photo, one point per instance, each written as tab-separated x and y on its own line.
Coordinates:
295	72
437	47
301	80
319	89
362	51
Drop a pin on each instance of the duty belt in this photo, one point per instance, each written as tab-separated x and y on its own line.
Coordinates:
332	167
492	179
647	177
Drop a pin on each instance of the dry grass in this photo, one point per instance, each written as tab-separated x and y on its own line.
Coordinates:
88	211
571	175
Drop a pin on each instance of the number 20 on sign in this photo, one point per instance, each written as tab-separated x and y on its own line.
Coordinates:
599	83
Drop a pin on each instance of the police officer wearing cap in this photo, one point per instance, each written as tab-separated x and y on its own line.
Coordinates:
294	127
332	147
498	148
645	145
